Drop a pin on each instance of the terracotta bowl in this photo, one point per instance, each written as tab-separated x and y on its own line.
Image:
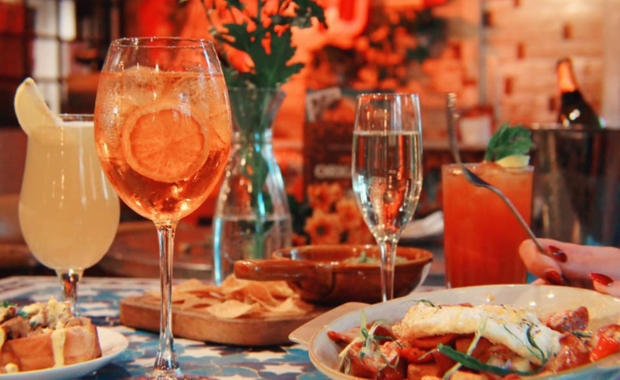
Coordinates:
334	274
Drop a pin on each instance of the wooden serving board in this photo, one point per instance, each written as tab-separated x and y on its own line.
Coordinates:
143	313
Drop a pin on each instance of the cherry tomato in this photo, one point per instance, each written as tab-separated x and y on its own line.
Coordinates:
606	342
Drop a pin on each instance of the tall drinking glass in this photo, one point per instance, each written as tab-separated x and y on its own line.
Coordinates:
387	170
68	211
163	134
481	235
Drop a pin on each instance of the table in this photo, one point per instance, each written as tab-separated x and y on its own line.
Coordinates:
100	299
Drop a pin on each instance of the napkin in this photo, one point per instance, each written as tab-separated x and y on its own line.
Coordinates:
431	225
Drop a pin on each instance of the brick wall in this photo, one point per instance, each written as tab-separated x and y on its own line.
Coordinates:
523	39
508	59
503	53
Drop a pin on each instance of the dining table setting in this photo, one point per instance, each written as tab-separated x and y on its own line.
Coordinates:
128	352
452	294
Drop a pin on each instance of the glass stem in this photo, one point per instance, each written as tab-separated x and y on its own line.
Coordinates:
388	261
69	280
166	364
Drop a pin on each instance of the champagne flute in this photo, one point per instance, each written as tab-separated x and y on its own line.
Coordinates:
387	170
163	134
68	211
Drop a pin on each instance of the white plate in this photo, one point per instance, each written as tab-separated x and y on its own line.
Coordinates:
112	344
540	299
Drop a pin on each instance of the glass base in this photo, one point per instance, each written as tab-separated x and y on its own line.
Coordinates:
176	375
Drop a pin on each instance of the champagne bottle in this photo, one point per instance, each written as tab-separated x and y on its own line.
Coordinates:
574	109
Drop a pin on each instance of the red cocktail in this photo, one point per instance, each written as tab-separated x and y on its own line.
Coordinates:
481	235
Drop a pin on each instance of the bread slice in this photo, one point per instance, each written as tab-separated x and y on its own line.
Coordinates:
73	341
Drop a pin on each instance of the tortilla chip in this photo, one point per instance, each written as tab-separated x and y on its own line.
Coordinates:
194	302
232	309
288	307
237	298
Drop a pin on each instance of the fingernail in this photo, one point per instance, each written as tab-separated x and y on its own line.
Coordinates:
554	277
601	279
557	254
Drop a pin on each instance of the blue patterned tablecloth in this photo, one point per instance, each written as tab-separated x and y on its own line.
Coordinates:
99	299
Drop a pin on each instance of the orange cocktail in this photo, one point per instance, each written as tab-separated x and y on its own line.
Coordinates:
163	138
481	235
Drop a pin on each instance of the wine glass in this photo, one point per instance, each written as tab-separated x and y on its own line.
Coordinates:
163	134
68	211
387	170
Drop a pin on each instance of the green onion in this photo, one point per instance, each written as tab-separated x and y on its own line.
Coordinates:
582	334
475	364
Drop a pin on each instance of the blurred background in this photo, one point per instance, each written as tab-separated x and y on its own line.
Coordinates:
499	56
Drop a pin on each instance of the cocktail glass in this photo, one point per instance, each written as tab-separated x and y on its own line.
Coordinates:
387	170
163	134
68	211
481	235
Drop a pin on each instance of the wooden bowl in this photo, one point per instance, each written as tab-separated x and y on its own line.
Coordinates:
334	274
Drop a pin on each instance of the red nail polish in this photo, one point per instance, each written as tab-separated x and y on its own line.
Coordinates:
554	277
557	254
601	279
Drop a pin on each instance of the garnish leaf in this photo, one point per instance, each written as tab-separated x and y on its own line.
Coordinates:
470	362
508	141
264	36
475	364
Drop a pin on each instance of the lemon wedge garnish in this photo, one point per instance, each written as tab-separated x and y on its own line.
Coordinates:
32	112
514	161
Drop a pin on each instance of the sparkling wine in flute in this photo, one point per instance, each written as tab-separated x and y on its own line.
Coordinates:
386	170
386	180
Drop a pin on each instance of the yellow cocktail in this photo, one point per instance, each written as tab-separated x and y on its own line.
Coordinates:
68	211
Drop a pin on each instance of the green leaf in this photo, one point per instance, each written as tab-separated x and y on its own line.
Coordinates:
300	212
236	4
475	364
273	69
238	36
307	9
508	141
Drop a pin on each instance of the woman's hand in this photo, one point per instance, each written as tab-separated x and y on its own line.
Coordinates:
584	266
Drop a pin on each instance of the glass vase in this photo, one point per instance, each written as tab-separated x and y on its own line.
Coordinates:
252	217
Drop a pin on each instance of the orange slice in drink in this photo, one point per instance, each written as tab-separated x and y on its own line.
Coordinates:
165	143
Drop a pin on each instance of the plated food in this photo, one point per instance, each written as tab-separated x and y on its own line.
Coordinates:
478	342
513	319
44	335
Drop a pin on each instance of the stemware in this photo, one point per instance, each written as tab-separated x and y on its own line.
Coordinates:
68	211
163	134
387	170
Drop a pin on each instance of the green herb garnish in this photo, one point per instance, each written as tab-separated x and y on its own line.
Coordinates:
508	141
472	363
370	345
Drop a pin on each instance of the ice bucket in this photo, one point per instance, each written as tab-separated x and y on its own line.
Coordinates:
576	195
